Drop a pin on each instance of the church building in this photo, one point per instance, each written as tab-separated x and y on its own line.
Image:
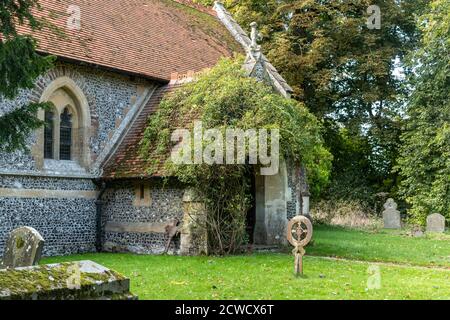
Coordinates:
82	184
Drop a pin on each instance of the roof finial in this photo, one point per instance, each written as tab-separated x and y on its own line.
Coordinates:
254	35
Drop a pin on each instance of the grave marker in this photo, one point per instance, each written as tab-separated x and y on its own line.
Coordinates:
299	234
23	248
436	223
391	216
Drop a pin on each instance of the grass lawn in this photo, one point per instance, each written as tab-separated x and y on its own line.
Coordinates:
270	276
381	245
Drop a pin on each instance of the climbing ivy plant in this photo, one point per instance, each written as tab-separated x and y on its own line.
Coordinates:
225	97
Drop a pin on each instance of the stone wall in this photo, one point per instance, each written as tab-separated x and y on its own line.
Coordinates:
139	227
62	210
110	96
60	203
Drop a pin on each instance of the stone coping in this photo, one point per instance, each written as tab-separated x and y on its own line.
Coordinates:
45	174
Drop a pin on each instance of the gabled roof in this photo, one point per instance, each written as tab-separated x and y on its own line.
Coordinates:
150	38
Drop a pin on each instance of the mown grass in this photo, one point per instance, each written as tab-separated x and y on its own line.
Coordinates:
270	276
381	245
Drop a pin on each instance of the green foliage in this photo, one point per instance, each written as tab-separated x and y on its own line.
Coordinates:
19	123
13	11
20	65
326	52
226	98
360	168
343	73
351	174
424	162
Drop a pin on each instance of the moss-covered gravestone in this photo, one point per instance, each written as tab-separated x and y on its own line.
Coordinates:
83	280
23	248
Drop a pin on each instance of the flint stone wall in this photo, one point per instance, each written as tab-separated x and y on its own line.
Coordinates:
292	206
166	203
68	226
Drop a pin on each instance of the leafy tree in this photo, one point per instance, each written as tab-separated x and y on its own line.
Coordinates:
343	71
424	161
20	65
226	98
351	180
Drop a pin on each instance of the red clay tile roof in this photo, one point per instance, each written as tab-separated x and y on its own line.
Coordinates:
151	38
126	162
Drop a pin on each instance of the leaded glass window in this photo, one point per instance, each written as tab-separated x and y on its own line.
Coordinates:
65	134
48	135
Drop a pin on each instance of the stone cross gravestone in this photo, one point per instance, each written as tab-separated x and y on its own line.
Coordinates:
435	223
299	234
391	216
23	248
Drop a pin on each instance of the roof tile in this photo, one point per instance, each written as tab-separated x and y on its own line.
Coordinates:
151	38
126	161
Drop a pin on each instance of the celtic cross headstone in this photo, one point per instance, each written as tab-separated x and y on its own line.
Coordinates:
299	234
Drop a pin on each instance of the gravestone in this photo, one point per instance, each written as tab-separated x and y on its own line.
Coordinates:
23	248
299	234
391	216
82	280
435	223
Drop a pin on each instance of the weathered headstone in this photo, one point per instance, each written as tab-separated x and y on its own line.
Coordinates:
435	223
391	216
83	280
23	248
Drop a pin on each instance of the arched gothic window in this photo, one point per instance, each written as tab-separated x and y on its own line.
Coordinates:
67	132
65	136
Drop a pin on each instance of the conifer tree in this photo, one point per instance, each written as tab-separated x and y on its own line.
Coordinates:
20	65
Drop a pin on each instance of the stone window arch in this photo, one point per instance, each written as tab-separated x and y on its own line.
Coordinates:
66	135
